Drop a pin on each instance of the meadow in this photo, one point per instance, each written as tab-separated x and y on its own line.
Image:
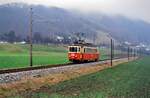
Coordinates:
17	56
128	80
14	56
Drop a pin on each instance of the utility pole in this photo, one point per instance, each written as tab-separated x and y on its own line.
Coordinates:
128	53
113	49
30	35
111	52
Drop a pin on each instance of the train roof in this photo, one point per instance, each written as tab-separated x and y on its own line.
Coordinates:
83	44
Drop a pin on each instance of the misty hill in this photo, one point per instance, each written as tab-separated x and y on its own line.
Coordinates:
45	20
125	29
50	21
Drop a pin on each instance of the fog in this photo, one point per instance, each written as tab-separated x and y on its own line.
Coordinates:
137	9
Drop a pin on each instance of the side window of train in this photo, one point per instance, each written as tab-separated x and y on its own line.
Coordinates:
86	50
78	49
69	49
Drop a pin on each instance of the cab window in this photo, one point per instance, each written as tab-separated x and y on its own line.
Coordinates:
74	49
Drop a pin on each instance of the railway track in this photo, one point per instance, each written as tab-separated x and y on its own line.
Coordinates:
4	71
38	67
31	68
11	75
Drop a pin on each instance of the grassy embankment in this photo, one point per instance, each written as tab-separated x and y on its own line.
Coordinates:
128	80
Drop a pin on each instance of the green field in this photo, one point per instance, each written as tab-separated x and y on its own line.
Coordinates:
12	56
15	56
128	80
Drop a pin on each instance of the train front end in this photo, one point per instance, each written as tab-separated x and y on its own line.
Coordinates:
74	53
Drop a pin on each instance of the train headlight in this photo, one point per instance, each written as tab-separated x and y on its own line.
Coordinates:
72	54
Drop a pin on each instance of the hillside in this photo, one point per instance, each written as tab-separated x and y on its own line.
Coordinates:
51	21
46	20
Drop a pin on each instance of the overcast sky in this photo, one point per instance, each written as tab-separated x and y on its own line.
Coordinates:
131	8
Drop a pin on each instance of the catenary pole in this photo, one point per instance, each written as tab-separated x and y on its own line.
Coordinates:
30	36
111	52
128	53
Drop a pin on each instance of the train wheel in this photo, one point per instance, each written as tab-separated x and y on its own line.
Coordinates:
96	60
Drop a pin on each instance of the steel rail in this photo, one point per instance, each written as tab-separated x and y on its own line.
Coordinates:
4	71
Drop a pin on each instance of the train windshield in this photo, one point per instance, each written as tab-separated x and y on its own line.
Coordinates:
74	49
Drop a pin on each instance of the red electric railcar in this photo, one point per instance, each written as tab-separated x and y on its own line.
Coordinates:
83	53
